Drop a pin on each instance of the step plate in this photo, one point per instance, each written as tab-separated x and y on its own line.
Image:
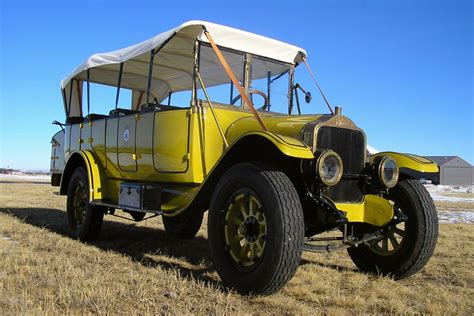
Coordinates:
140	196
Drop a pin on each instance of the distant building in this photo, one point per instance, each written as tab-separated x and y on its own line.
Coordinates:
453	170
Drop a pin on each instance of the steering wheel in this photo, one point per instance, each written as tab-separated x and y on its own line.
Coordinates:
260	93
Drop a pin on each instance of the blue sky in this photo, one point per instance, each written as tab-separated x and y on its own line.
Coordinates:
402	70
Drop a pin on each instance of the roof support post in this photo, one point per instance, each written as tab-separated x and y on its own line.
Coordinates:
247	76
150	74
269	88
63	92
79	95
194	97
70	98
291	82
118	85
88	93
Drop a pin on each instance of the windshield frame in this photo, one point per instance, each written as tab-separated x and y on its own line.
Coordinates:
246	82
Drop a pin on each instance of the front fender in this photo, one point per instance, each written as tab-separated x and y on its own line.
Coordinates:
252	146
95	175
288	146
411	166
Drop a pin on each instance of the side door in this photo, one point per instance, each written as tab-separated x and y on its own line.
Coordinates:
171	141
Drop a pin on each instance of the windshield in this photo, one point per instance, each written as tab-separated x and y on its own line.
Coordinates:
264	80
271	85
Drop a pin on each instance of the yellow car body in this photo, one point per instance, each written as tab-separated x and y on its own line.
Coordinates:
270	182
181	149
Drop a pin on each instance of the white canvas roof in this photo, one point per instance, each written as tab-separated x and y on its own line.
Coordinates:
173	64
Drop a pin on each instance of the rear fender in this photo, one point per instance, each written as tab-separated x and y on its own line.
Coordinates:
95	175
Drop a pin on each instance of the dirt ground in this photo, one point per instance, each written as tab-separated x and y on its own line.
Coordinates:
136	268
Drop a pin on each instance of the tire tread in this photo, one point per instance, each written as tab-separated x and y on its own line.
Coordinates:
431	228
294	226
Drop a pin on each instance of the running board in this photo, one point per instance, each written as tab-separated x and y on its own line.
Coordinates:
125	207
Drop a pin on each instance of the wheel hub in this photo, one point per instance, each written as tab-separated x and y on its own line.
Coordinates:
250	229
79	203
245	228
393	236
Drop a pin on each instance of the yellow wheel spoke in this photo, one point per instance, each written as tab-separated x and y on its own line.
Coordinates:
259	247
245	228
245	210
394	241
244	251
252	210
236	220
399	232
252	251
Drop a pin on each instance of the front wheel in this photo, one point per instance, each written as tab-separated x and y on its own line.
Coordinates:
256	229
405	247
83	219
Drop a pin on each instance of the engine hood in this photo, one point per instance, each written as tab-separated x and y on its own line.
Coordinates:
301	127
286	125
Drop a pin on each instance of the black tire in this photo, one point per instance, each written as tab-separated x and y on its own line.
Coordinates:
279	209
83	220
184	226
415	247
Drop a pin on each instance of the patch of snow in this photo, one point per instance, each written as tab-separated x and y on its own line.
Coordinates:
456	217
25	177
436	192
449	188
442	198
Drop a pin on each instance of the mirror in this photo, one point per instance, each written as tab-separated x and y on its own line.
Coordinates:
307	94
308	97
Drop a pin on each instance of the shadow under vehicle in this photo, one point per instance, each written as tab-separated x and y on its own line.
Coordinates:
185	136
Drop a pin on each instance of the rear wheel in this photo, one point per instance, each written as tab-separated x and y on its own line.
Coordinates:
405	247
255	229
83	219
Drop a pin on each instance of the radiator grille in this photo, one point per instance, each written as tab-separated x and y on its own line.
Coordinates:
350	145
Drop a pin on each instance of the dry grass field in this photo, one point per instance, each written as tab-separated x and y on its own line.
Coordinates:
135	268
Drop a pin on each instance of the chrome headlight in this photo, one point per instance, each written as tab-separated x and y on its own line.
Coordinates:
388	172
329	167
